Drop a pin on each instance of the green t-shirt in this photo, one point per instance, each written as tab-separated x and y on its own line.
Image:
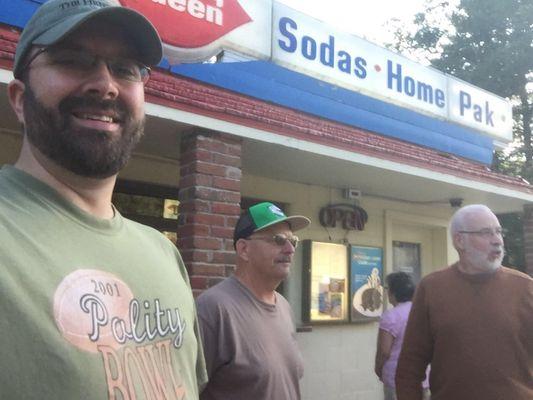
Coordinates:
90	308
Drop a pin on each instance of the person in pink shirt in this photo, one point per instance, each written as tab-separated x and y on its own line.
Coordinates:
392	325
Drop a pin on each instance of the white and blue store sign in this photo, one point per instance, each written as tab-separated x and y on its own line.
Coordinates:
306	45
287	58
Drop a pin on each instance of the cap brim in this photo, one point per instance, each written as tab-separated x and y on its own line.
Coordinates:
142	32
296	222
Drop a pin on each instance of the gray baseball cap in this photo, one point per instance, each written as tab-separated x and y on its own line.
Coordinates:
56	19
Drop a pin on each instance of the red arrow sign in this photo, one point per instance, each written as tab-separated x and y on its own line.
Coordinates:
191	23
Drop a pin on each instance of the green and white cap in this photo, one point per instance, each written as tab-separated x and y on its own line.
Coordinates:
263	215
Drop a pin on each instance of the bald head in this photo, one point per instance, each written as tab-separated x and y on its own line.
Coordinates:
464	218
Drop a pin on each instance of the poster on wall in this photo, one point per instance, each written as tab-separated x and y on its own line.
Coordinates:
366	283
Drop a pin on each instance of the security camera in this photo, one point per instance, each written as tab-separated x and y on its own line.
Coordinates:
456	202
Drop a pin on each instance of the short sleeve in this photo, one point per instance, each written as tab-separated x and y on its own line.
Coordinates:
389	323
209	332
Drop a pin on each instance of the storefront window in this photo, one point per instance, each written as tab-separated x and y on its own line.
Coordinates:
172	236
406	258
170	208
133	204
325	282
341	283
152	205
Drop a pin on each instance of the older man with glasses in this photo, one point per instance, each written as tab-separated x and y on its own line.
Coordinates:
247	327
93	306
472	321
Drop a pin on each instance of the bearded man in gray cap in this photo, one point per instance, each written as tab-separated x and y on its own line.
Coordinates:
93	305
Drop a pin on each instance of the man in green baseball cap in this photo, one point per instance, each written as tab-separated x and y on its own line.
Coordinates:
94	306
247	327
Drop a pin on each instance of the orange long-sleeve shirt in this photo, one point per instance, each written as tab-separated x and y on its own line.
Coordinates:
477	333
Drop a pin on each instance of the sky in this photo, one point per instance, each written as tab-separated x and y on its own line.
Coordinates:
363	18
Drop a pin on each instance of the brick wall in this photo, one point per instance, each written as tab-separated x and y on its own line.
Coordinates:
528	237
210	183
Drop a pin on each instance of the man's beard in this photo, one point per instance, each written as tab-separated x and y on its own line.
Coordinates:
83	151
479	259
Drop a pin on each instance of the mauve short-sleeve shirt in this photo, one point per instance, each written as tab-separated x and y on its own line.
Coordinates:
394	322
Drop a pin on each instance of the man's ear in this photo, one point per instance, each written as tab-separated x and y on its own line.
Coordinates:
15	93
458	241
242	248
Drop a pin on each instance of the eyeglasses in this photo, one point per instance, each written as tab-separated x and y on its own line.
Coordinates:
486	232
81	61
279	239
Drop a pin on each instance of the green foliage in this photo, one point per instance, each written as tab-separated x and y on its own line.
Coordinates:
514	246
485	42
488	43
432	28
491	47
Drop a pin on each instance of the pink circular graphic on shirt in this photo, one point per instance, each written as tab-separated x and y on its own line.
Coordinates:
85	303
